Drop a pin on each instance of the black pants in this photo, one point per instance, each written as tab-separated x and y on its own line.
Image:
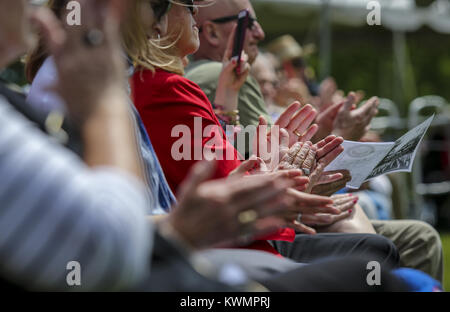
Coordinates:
345	274
312	248
172	272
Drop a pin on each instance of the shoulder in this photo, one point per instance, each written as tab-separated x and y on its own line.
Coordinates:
162	87
204	71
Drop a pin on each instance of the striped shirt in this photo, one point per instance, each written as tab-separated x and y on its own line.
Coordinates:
54	210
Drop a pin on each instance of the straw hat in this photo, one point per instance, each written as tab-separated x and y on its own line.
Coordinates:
285	48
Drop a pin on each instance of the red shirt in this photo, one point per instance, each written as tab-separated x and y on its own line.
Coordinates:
168	104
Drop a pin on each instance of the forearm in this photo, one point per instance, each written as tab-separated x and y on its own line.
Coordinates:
68	209
226	98
109	137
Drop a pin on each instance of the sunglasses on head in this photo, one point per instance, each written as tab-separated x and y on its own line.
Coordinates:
160	8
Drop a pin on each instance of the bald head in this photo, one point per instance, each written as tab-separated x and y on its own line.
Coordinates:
214	36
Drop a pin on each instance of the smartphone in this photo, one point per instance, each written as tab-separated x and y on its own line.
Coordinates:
239	39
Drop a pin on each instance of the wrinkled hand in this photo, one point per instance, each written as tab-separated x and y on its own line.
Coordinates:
352	124
327	150
273	145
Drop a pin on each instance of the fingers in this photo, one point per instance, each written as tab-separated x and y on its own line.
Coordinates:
351	98
309	134
288	159
51	28
322	219
284	141
325	141
368	110
300	227
346	203
262	126
329	147
285	118
254	195
245	166
302	120
310	159
328	158
312	202
327	178
301	155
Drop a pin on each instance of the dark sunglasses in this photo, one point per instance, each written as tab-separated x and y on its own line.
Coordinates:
227	19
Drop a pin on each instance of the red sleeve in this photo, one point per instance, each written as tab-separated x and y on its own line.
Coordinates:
181	124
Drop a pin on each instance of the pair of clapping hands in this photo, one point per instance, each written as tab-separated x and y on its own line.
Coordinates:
268	198
341	115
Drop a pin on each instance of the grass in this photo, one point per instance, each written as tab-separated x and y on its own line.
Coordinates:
445	237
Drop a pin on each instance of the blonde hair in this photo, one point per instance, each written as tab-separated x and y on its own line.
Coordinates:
148	53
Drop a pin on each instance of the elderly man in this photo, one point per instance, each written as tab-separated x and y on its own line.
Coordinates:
216	24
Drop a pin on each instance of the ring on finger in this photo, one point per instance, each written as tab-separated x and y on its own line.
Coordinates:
306	171
247	216
297	133
299	217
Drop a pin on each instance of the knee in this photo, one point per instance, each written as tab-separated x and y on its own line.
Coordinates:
426	235
382	248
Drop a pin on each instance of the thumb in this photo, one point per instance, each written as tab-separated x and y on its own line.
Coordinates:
284	139
51	28
246	166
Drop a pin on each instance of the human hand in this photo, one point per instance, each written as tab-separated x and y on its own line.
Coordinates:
352	124
212	212
88	57
231	80
327	150
305	207
291	127
328	189
344	205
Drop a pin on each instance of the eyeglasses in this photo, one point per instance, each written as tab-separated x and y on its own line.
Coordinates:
227	19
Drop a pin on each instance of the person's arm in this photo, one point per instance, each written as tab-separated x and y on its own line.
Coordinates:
55	210
229	85
91	81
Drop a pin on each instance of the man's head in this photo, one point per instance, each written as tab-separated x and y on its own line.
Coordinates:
214	35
